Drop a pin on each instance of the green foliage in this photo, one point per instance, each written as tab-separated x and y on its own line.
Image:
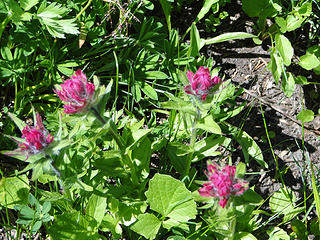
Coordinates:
34	217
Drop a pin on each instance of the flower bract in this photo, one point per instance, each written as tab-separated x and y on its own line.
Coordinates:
201	83
222	184
77	93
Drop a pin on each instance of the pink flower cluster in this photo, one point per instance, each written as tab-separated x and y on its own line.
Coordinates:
223	184
77	92
201	83
36	138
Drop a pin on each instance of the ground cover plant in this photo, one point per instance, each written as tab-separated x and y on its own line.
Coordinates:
118	124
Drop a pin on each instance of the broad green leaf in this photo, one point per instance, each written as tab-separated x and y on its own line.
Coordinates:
209	125
178	153
309	61
283	202
28	4
96	207
229	36
73	226
302	80
284	47
254	7
293	22
288	84
170	198
205	9
207	147
149	91
36	226
305	115
14	191
278	234
250	148
147	225
282	23
111	224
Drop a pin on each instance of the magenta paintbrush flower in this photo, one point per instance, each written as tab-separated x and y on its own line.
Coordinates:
36	139
223	184
201	83
77	92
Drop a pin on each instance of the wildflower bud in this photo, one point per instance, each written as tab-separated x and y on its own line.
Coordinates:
201	83
222	184
77	92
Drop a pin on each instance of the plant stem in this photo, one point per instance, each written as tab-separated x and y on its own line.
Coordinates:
192	142
83	9
112	131
120	143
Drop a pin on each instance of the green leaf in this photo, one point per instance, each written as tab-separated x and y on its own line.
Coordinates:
149	91
28	4
254	7
73	226
282	23
155	75
299	229
293	22
288	84
309	61
178	153
302	80
195	42
147	225
20	124
205	9
283	202
229	36
250	148
278	234
275	65
305	115
96	207
6	54
14	191
46	207
171	198
244	236
36	226
209	125
284	47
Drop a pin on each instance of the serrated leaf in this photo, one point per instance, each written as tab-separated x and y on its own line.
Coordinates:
284	47
28	4
171	198
147	225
